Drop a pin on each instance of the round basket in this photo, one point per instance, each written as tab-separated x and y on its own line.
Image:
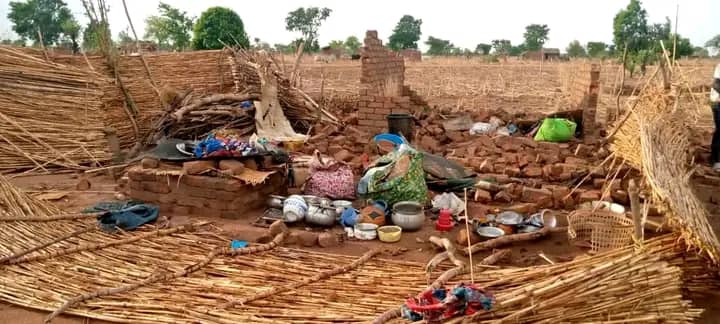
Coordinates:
604	230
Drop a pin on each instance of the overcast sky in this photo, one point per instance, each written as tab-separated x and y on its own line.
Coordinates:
465	23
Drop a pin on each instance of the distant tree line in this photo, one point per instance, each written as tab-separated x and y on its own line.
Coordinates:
51	23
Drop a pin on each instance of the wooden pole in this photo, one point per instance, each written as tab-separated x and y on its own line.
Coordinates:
469	234
635	208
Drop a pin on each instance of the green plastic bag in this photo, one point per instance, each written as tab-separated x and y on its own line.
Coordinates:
555	130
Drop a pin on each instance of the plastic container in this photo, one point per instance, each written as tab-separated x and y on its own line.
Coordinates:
444	222
389	234
401	124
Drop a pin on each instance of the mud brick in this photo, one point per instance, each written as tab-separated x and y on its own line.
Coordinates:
191	202
525	141
154	186
198	167
482	196
524	208
575	161
182	210
233	167
137	185
366	122
523	160
455	136
588	195
203	181
307	239
377	117
503	197
541	197
598	183
382	111
375	105
365	97
621	197
512	171
149	163
143	195
485	166
613	185
166	208
328	239
170	198
533	171
138	174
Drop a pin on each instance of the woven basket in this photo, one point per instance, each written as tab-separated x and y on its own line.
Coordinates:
603	229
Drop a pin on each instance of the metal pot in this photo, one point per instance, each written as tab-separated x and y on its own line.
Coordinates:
320	216
409	215
275	202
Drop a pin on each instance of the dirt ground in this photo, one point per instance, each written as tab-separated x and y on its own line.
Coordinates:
555	247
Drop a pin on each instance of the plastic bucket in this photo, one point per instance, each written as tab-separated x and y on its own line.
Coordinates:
401	124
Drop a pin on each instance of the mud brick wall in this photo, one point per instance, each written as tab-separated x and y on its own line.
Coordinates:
382	90
201	195
584	89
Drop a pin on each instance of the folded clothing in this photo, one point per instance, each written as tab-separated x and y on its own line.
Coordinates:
128	218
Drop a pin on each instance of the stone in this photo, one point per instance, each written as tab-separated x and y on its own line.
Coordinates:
198	167
307	239
503	197
524	208
482	196
149	163
83	184
533	172
462	238
232	167
328	239
541	197
419	240
343	156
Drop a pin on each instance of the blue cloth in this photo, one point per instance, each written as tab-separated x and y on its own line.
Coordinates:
349	217
129	218
392	138
246	104
236	244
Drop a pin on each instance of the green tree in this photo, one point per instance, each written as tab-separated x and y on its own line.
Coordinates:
13	42
170	29
575	49
71	30
596	49
630	28
90	38
683	47
124	37
337	44
700	52
49	17
406	33
218	26
501	46
352	44
535	36
713	42
307	21
517	50
439	46
483	49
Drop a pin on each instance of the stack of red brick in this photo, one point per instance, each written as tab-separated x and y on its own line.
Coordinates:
200	195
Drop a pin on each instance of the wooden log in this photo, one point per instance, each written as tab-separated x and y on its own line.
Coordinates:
635	208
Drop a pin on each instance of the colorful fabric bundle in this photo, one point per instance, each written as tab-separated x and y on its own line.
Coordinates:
397	176
218	145
436	305
330	179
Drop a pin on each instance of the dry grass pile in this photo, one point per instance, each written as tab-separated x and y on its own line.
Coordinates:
52	115
93	261
618	286
655	139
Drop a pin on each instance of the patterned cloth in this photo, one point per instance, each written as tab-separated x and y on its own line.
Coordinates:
330	179
399	177
436	305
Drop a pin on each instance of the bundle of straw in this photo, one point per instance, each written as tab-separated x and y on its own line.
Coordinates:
52	115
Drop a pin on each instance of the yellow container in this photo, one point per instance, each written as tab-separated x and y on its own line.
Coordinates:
389	234
293	146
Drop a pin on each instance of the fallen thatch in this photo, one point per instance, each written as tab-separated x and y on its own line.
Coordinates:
52	115
655	139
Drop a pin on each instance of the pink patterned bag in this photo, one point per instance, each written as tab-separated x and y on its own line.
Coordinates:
330	179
